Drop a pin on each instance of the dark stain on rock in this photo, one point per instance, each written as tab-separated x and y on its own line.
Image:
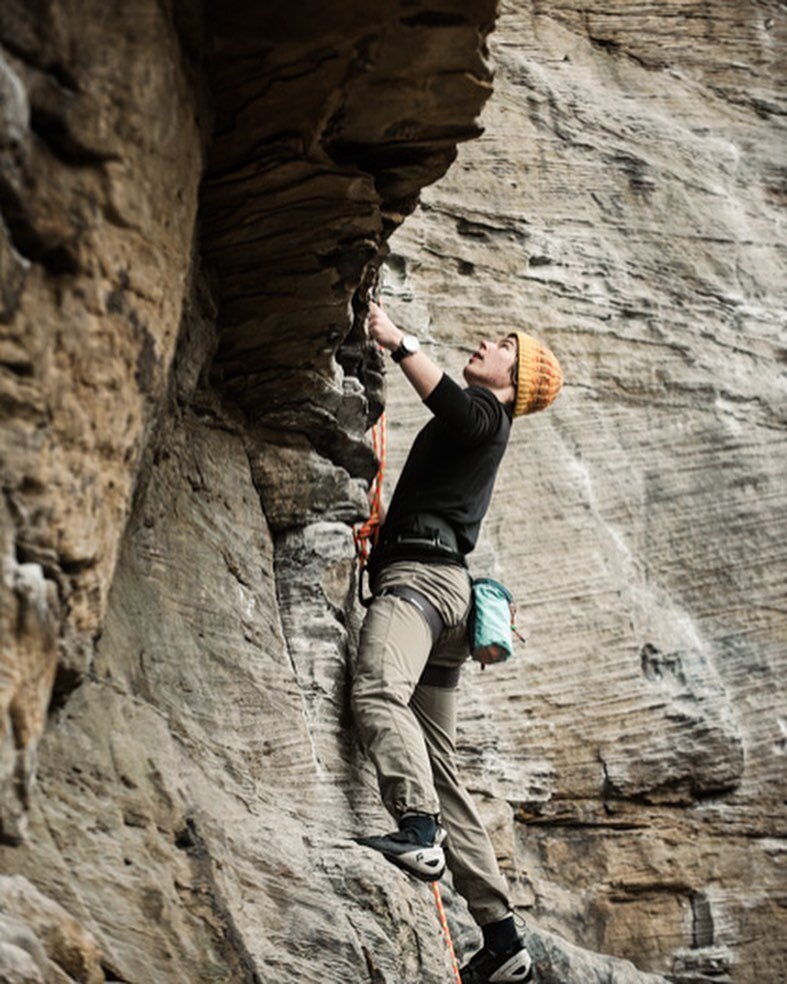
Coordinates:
67	680
472	230
204	900
146	361
114	301
31	239
605	44
635	169
111	973
51	126
152	904
702	921
656	665
13	274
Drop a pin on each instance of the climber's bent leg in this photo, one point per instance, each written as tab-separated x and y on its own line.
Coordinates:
394	645
470	855
393	649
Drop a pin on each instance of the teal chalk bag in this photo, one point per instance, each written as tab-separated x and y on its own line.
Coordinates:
491	625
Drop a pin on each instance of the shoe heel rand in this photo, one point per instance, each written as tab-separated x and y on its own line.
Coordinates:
518	968
428	855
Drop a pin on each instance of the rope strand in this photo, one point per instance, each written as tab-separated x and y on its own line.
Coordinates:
446	932
365	534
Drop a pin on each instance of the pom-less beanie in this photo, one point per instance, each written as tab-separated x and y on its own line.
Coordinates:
539	376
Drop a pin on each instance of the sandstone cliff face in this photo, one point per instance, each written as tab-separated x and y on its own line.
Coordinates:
99	171
193	209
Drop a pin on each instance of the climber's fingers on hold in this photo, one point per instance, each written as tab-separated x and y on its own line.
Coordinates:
381	328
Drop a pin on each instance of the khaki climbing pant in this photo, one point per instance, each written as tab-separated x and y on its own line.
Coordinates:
409	728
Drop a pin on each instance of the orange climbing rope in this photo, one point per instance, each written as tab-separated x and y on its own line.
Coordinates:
365	534
446	931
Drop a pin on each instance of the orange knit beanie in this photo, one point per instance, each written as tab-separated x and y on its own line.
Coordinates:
539	376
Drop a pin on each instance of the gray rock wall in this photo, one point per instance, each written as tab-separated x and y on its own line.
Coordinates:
184	390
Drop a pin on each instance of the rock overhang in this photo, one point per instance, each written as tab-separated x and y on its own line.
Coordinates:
329	119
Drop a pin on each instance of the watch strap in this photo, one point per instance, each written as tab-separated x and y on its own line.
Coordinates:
404	350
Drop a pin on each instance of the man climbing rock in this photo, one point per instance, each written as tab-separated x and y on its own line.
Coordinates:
414	637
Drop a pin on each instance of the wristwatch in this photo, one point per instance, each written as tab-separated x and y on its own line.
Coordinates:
408	346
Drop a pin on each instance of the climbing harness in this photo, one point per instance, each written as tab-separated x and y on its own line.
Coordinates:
446	931
431	614
365	534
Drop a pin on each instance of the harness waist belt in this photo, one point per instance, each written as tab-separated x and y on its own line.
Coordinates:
431	615
433	539
426	529
408	547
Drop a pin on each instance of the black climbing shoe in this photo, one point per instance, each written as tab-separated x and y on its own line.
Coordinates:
511	966
402	848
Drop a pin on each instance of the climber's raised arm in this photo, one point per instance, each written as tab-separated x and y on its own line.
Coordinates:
417	366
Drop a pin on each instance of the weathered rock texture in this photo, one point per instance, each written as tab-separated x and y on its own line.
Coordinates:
193	209
100	163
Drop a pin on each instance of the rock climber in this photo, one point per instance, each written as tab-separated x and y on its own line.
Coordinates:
414	637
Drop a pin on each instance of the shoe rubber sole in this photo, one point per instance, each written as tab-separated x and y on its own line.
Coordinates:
427	864
428	871
517	970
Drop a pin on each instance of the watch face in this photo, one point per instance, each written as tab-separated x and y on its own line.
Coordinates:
409	345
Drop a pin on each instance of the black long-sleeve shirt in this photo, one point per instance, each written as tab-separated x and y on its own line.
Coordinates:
451	468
